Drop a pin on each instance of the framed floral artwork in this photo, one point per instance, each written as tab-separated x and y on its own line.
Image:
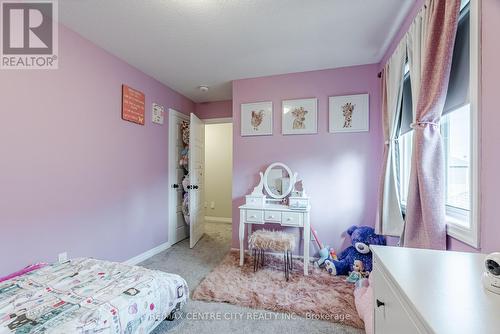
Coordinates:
299	117
257	119
349	113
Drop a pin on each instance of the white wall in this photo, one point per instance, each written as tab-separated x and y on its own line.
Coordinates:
218	169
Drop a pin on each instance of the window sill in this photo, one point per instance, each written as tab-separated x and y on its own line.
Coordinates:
461	233
457	231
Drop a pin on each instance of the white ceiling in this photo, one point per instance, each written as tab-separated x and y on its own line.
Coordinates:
187	43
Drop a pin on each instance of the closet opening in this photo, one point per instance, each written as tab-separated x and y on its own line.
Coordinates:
200	174
218	176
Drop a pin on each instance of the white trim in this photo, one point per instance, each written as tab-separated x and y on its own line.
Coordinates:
147	254
471	236
219	219
221	120
171	170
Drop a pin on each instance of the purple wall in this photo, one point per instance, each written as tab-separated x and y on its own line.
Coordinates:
74	176
340	171
218	109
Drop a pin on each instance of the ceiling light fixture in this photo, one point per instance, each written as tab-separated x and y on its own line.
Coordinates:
203	88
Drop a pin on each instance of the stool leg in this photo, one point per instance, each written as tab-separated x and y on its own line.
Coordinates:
254	253
259	255
285	258
290	258
262	254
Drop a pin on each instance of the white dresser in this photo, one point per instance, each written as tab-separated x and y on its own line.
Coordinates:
428	291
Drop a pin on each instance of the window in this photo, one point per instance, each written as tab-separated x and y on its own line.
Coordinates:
459	126
405	142
455	130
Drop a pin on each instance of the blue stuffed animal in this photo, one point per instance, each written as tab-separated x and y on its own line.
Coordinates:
324	255
361	238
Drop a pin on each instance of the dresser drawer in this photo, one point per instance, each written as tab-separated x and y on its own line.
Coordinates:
291	219
272	216
256	216
391	315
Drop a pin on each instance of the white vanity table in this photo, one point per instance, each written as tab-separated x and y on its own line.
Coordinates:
279	183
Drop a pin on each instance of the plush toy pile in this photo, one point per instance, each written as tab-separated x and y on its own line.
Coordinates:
356	260
184	162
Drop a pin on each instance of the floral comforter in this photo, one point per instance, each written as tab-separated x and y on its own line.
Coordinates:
89	296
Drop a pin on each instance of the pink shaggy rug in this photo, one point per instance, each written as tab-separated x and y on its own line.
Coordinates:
317	296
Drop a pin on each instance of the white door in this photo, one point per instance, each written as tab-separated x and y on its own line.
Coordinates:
177	226
196	179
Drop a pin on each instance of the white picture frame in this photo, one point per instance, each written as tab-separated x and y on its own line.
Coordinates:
356	118
299	116
257	119
157	112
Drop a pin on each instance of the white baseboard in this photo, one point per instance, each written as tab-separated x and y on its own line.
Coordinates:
147	254
218	219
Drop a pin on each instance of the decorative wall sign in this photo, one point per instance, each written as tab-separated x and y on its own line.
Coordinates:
300	117
157	111
133	102
349	113
257	119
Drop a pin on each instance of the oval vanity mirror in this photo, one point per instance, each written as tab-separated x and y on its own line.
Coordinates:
277	180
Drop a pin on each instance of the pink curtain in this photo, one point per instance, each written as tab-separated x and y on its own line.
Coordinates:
425	225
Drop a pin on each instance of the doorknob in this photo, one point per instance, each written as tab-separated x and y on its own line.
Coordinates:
379	303
175	186
195	187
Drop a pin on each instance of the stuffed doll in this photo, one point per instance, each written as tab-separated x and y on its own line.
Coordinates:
185	183
184	160
358	272
185	198
185	207
185	132
361	239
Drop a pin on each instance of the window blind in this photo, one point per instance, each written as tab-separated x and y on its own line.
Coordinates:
458	88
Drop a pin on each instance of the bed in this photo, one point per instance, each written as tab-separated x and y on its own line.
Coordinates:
90	296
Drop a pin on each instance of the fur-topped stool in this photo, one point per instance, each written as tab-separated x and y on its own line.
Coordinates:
275	241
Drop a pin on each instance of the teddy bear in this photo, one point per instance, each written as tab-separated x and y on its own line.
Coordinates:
361	239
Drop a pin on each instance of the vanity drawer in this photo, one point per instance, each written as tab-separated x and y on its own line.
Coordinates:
255	200
255	216
291	219
272	216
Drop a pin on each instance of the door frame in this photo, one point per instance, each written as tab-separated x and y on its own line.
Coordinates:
172	171
221	120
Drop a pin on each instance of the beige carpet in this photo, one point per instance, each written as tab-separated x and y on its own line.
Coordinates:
317	296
